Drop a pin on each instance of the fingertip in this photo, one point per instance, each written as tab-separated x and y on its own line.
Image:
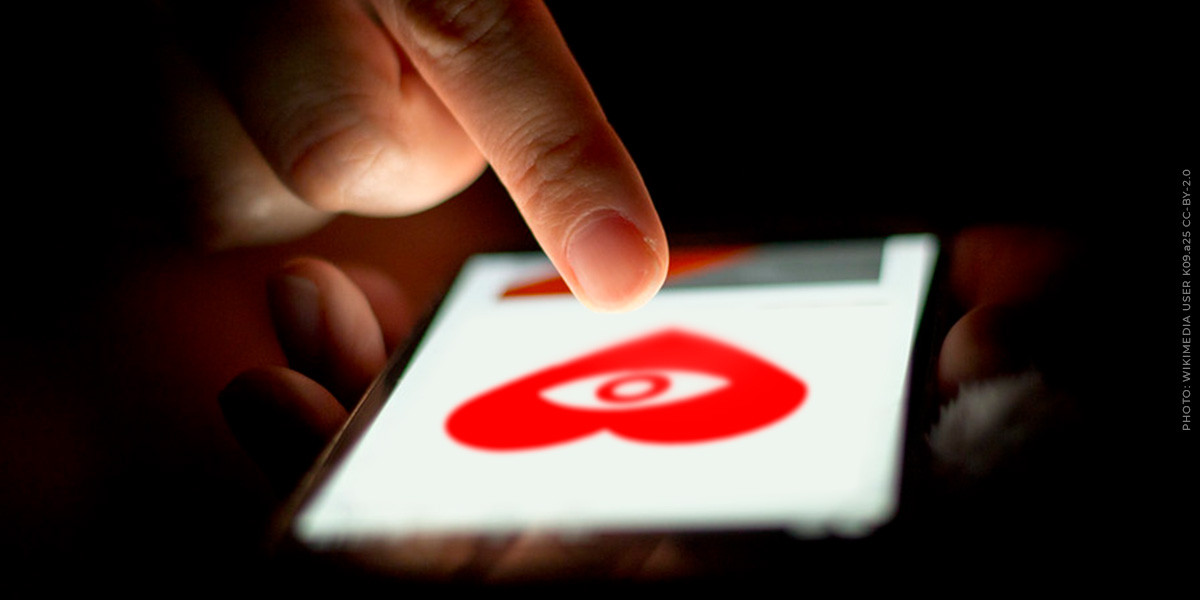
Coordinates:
615	265
505	72
987	342
326	326
393	309
297	312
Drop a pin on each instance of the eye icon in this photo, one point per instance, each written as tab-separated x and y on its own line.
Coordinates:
633	389
667	387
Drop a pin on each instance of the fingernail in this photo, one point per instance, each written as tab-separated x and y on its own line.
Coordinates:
296	311
613	262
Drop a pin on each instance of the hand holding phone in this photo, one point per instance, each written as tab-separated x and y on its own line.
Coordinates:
605	425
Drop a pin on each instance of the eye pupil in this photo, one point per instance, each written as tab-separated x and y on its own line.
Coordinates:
632	388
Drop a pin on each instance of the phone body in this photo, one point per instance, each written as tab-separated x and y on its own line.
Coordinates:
759	400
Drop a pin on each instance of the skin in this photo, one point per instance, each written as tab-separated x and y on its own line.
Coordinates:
386	108
337	328
326	320
104	401
389	107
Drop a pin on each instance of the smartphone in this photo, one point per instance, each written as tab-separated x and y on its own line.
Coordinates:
763	391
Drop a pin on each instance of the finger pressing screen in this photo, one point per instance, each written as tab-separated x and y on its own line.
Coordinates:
505	73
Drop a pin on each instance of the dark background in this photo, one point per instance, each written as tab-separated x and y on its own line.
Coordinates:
746	121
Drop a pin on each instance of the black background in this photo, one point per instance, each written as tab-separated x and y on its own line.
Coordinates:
746	121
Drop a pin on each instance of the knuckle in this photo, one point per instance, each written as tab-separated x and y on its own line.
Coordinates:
326	145
449	28
548	175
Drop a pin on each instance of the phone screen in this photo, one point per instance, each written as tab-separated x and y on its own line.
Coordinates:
764	387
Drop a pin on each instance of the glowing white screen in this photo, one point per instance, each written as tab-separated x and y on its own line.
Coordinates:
828	465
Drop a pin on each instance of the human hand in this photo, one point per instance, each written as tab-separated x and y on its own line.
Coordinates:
1016	447
281	114
284	417
336	327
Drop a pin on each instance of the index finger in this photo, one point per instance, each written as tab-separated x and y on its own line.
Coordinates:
503	70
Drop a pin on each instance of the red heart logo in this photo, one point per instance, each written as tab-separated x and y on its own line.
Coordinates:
634	397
